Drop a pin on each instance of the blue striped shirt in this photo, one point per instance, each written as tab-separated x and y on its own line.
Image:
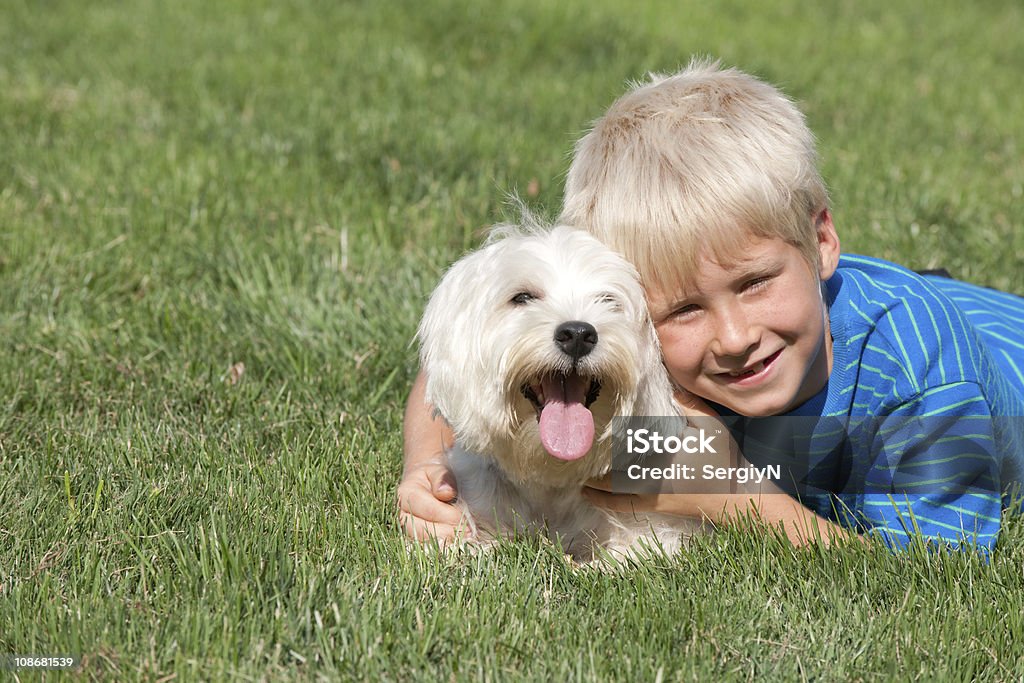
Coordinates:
926	397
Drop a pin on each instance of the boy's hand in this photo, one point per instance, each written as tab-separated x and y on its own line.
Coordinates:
600	493
690	500
427	489
425	497
700	505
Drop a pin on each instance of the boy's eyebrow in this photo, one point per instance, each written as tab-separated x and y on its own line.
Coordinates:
670	304
747	269
765	266
746	266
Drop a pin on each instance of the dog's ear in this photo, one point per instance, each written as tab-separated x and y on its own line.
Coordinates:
449	342
655	395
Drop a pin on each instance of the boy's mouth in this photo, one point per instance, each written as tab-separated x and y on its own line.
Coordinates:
751	371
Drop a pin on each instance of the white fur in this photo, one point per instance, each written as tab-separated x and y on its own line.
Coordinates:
479	349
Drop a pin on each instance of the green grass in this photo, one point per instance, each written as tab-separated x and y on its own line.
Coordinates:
188	186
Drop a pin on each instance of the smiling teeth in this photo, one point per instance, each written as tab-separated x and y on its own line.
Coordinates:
753	370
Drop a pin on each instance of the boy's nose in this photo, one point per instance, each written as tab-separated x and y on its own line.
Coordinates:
734	335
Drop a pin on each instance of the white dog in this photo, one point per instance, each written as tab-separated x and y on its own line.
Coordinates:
530	346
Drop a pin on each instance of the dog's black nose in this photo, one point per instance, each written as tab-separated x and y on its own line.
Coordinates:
576	338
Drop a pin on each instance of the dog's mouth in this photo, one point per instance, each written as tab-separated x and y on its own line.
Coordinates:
535	392
562	402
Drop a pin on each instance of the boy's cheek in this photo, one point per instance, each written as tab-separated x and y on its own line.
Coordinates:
687	380
682	369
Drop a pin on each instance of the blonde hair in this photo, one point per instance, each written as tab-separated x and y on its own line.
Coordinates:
693	165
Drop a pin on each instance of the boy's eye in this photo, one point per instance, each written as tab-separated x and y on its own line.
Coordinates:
756	283
687	311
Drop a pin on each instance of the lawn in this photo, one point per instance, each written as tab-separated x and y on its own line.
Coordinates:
219	222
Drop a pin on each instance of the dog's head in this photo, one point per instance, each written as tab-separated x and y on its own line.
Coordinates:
532	344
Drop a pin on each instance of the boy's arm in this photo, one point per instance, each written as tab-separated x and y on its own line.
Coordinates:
770	506
767	504
934	473
427	488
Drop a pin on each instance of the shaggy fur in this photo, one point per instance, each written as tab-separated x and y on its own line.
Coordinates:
487	342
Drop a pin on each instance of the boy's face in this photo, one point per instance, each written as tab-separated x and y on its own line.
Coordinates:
752	334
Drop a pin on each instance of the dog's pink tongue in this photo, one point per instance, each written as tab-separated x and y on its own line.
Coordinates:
566	425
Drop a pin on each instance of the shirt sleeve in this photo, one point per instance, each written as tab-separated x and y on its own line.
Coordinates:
934	472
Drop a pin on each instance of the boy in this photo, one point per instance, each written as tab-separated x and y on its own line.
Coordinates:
707	181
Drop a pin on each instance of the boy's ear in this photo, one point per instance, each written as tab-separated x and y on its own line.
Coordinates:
828	244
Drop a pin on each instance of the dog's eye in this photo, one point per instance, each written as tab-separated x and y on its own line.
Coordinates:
610	300
522	298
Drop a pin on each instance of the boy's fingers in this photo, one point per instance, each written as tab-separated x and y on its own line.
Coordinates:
442	483
423	530
424	517
421	503
601	483
420	530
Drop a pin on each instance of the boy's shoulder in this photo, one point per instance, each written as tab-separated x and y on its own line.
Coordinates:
870	292
871	295
880	281
898	335
899	329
